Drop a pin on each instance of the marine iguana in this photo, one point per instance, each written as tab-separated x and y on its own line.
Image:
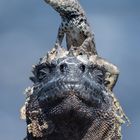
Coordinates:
69	100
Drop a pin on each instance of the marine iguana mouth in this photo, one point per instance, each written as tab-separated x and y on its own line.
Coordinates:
88	92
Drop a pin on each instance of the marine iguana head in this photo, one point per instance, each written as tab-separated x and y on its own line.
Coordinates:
68	99
71	84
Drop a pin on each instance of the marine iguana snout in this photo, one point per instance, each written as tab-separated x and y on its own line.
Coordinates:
70	101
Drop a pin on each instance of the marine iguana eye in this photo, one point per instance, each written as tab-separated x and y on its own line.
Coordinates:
98	72
42	73
100	76
44	70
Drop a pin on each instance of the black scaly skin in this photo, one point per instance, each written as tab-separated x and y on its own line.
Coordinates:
69	101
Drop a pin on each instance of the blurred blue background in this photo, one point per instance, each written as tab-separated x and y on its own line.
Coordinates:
28	30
